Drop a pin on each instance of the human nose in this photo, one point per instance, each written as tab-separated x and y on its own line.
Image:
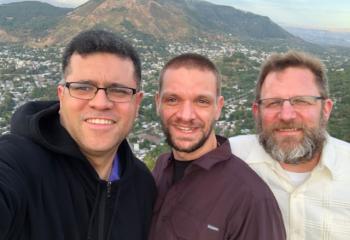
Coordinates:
100	100
186	111
287	111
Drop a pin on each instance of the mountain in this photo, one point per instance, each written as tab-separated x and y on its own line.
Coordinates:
21	21
322	37
170	20
215	19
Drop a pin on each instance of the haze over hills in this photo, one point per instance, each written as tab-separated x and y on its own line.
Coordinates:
170	20
322	37
22	21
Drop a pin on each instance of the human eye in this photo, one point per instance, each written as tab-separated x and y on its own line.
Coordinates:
119	91
82	87
170	100
302	101
271	102
119	94
203	101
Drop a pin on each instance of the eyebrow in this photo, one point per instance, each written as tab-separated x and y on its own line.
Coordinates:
170	94
208	96
118	85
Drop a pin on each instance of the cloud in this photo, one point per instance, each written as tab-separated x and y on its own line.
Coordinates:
71	3
58	3
321	14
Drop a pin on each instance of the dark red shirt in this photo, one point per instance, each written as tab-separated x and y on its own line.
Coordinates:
219	198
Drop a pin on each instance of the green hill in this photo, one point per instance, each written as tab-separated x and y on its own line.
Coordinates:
30	18
166	20
216	18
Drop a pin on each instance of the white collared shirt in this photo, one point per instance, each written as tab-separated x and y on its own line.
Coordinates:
318	208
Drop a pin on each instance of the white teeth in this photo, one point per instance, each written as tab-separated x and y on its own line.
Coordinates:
99	121
185	129
288	130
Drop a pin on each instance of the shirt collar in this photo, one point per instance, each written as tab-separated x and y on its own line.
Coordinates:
115	169
208	160
328	158
258	154
221	153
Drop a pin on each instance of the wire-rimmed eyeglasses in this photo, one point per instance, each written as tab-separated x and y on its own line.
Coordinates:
296	102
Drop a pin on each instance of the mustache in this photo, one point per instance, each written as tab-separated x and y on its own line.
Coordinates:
297	152
289	125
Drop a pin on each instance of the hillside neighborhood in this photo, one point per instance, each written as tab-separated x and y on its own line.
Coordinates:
31	72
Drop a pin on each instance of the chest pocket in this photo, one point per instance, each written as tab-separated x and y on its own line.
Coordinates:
184	225
187	226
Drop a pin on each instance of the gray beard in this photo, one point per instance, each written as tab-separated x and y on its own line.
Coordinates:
296	152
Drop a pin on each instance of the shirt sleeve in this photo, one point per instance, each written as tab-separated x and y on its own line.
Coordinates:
12	206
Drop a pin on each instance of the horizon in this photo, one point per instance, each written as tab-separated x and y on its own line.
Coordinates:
312	14
331	16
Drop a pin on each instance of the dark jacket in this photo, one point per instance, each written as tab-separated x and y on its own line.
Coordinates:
49	190
219	198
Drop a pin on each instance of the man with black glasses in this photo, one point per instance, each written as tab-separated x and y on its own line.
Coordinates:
307	170
66	170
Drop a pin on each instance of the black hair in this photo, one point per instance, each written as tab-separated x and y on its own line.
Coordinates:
95	41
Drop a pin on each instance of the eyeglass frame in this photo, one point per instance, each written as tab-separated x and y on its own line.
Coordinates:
105	89
290	100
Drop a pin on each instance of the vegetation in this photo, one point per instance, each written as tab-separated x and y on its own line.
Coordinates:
6	108
339	124
214	18
239	75
34	22
151	157
238	41
45	93
30	18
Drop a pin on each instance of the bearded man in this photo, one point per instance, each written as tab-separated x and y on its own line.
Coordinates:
204	191
305	167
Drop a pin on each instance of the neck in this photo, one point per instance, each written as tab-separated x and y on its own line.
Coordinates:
303	167
102	164
208	146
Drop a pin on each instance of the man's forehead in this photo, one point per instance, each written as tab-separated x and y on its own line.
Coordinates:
174	75
99	60
290	75
175	68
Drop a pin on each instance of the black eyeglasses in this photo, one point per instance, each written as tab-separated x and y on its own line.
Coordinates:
87	91
297	102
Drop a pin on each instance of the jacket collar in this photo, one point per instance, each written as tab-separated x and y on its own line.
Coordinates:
40	122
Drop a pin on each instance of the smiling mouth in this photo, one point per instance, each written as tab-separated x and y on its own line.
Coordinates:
100	121
185	129
288	129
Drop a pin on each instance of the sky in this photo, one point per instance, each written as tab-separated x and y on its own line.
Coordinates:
331	15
